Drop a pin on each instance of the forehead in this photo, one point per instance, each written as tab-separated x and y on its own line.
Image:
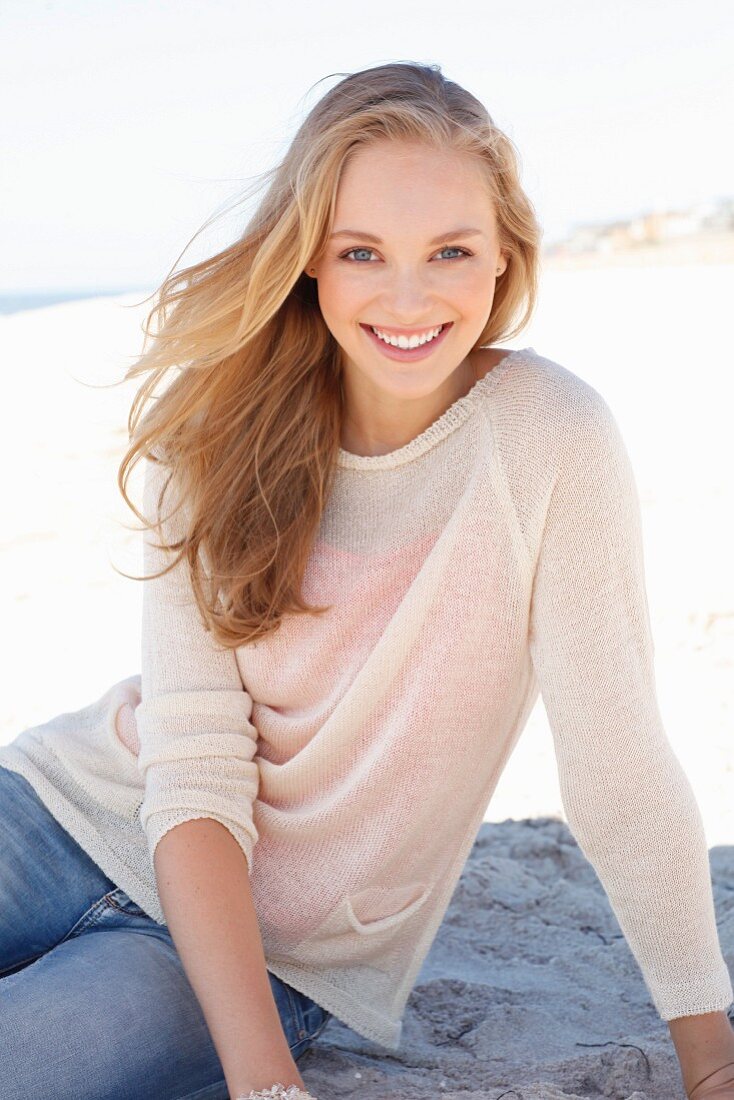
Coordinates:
390	181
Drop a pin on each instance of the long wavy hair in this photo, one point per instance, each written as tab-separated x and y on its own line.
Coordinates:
249	422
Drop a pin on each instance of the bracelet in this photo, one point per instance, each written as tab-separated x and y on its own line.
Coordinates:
719	1078
278	1092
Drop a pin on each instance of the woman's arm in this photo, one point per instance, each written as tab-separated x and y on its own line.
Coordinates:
197	749
205	892
627	799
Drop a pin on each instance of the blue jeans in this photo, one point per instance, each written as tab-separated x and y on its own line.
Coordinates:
94	1000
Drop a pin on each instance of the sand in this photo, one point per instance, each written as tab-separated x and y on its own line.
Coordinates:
529	985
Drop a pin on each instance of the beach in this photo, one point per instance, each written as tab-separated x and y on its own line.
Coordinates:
529	986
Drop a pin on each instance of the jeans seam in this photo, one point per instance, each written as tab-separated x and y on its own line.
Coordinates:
320	1027
297	1015
10	970
138	911
86	920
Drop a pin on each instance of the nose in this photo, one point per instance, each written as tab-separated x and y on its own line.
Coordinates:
407	297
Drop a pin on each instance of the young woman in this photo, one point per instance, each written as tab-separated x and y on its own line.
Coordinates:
381	535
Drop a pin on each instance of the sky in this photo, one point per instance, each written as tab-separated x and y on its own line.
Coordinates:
128	124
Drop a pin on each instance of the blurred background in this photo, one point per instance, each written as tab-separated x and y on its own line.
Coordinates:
127	125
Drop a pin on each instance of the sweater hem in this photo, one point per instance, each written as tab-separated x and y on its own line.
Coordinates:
362	1019
77	826
718	998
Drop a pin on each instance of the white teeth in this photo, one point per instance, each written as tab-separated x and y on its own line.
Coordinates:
407	341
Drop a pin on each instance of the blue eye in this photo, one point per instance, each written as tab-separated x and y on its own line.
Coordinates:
448	248
454	248
355	250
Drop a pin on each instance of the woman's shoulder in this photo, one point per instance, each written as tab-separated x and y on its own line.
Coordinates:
533	384
542	411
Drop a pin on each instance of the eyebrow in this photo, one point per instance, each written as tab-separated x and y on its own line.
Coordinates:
462	232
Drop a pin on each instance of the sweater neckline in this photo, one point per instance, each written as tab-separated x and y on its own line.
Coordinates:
446	423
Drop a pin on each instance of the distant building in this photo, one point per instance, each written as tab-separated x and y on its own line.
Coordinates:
647	231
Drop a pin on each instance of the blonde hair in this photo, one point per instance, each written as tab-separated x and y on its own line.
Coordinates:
250	425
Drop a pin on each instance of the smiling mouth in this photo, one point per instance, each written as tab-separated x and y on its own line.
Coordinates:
406	340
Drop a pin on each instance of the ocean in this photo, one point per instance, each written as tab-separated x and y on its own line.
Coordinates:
37	299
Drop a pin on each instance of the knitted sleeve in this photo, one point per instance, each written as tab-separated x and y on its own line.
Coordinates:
197	743
627	800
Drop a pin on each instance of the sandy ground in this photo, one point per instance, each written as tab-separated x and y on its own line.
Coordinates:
529	986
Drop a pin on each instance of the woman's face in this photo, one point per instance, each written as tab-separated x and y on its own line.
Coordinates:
414	247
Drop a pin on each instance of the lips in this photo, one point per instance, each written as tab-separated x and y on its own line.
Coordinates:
403	354
408	331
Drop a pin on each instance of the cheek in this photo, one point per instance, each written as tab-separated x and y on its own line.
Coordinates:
471	290
342	306
340	299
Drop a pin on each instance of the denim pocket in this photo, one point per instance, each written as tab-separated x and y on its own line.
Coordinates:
308	1019
316	1020
121	901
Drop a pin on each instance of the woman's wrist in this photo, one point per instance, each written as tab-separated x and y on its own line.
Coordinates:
278	1092
703	1044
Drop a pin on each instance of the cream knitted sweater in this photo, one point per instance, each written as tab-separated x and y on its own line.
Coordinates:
353	756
